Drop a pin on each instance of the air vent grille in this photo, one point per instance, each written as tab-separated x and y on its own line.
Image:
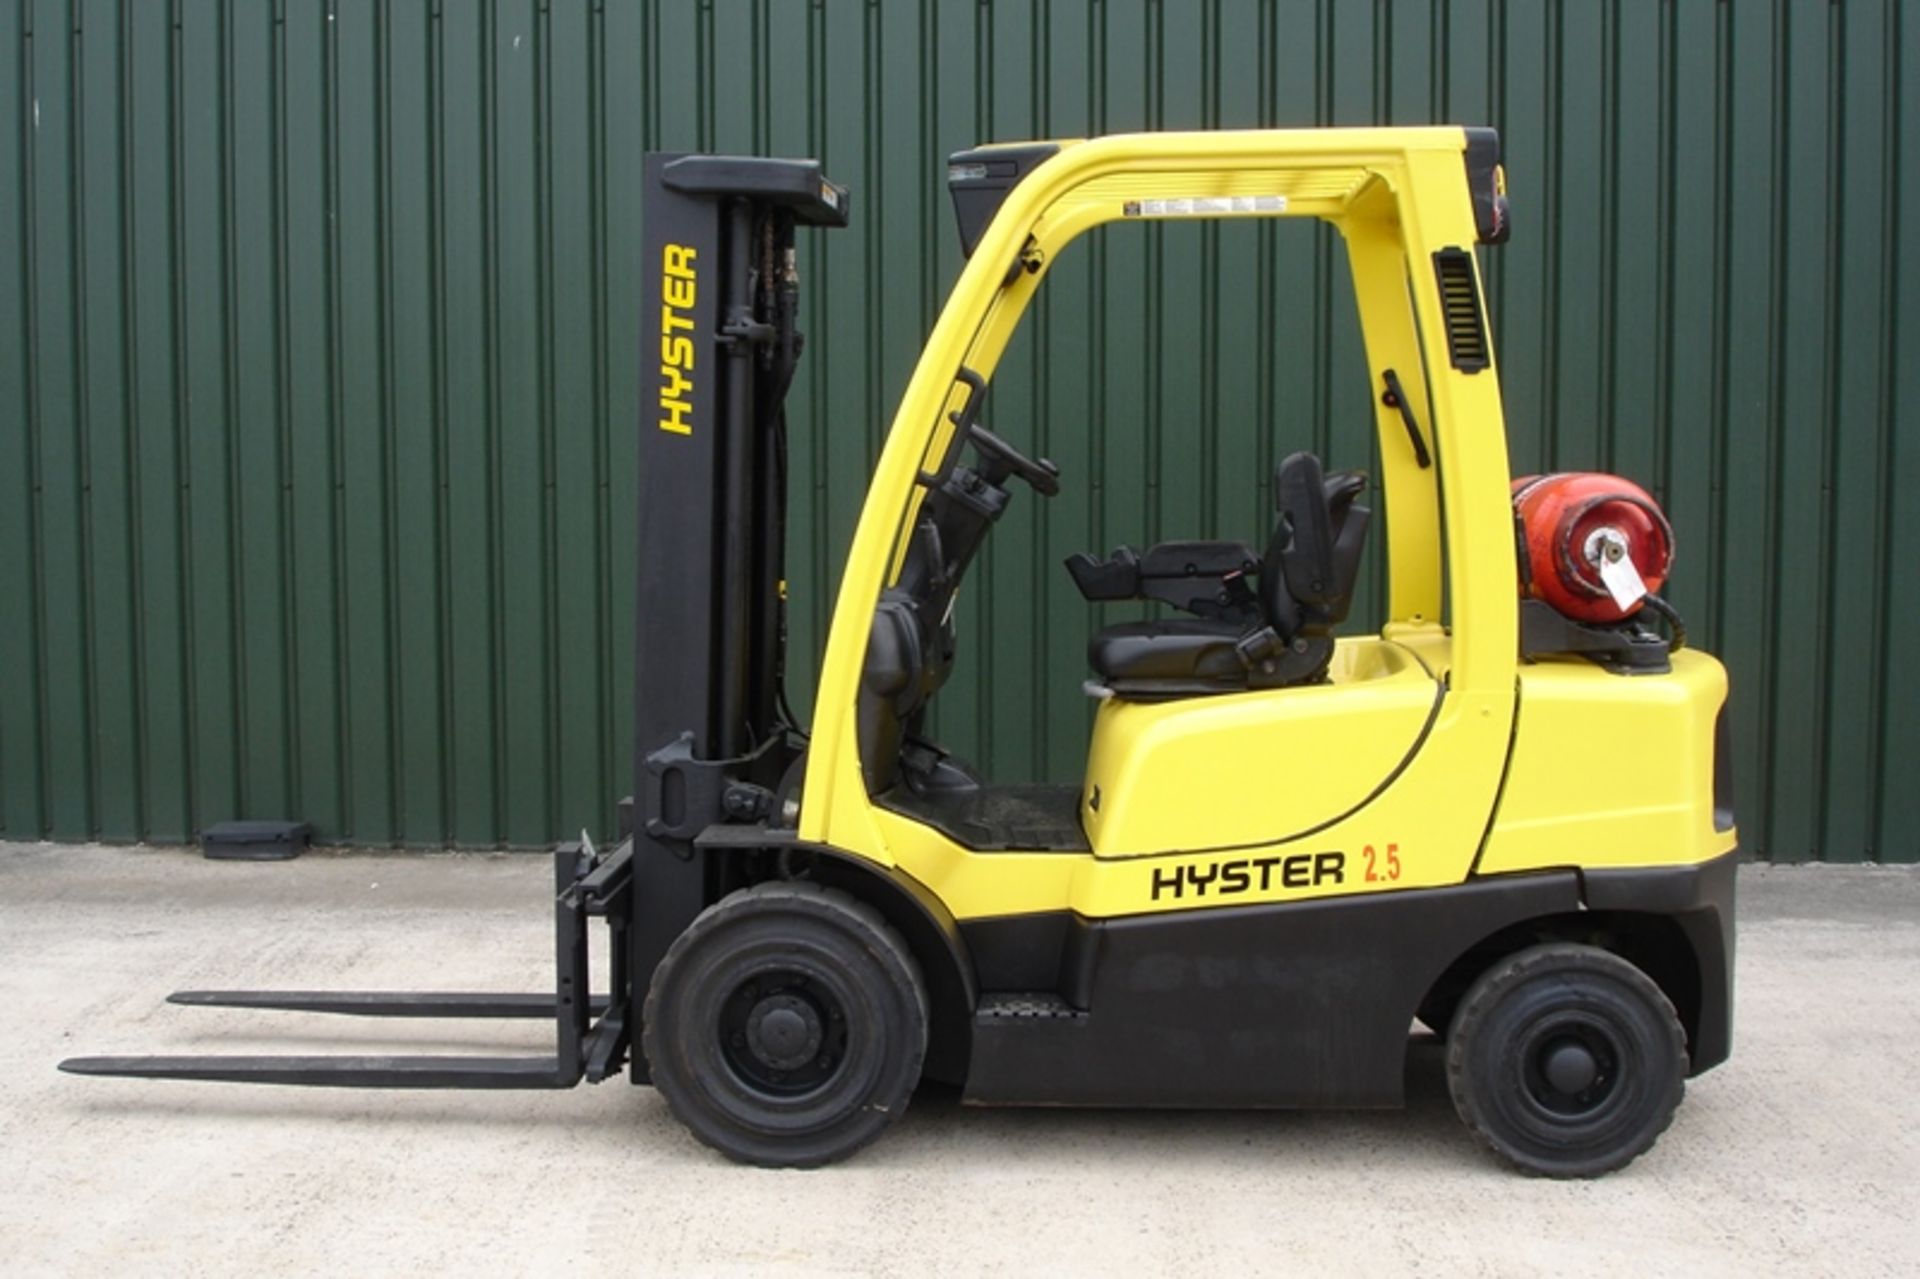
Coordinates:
1460	304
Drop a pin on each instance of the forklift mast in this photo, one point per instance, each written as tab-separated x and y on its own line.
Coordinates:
712	738
719	314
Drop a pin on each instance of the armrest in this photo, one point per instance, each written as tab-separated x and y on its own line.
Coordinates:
1207	579
1198	559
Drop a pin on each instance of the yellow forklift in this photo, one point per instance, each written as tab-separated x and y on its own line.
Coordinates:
1504	816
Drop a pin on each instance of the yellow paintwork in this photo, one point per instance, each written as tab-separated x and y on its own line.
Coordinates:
1253	768
1276	779
1610	770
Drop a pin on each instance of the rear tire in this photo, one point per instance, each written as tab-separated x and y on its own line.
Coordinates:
786	1026
1566	1060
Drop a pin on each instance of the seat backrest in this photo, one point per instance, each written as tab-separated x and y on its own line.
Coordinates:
1313	557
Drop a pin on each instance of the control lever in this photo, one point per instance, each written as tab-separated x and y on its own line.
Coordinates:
1002	460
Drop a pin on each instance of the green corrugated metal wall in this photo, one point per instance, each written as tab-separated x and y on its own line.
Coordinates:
318	320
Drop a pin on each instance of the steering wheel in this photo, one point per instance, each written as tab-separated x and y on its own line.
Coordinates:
1003	460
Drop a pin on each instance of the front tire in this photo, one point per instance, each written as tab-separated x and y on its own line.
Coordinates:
786	1026
1566	1060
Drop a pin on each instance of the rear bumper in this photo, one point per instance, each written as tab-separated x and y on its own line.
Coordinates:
1699	899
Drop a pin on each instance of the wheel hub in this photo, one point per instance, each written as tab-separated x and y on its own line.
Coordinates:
784	1032
1570	1068
1572	1065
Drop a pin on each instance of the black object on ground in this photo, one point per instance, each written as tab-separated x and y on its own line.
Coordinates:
256	841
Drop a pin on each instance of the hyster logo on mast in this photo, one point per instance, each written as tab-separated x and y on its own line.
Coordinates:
677	287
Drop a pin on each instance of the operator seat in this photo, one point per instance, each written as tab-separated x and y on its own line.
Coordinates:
1284	635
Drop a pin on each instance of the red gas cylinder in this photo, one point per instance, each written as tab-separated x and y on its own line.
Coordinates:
1595	545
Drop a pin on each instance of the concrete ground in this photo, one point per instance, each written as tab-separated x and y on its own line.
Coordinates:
1801	1155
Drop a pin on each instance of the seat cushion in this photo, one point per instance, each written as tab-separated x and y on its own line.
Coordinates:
1188	651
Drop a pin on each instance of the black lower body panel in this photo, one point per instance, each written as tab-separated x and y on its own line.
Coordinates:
1700	901
1302	1004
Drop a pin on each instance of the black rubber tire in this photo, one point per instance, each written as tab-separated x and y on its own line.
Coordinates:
1543	998
803	944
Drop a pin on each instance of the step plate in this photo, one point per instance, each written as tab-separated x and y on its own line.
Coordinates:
1004	1006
